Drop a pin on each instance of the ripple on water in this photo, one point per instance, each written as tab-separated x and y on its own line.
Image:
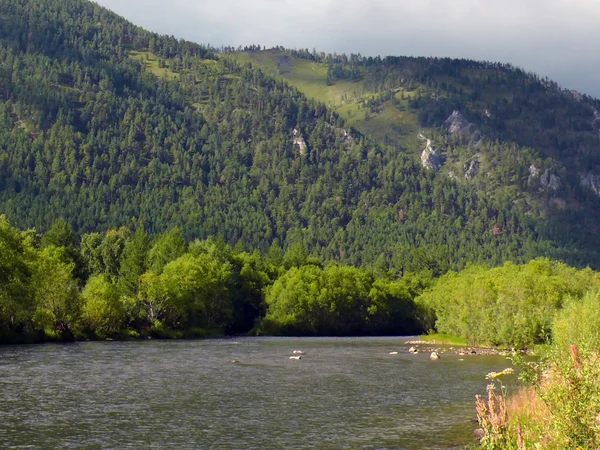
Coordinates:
344	393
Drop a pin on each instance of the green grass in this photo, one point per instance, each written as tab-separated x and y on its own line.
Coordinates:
344	97
307	76
150	61
444	339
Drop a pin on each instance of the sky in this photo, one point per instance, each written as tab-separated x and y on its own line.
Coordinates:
559	39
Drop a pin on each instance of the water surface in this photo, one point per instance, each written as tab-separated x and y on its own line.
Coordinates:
345	393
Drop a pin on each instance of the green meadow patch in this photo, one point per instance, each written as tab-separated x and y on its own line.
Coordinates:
151	63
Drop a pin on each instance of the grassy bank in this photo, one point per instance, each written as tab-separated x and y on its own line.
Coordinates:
444	339
560	408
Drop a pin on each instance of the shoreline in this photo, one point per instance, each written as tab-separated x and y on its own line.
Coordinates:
462	350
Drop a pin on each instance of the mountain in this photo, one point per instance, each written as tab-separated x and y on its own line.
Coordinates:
409	163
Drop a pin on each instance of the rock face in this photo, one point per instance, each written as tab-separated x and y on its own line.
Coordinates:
457	124
299	141
549	181
348	139
430	159
472	168
592	182
576	95
534	172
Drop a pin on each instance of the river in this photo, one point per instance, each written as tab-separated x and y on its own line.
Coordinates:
345	393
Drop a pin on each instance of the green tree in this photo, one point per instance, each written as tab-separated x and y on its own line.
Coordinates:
90	253
167	247
134	262
16	295
58	303
192	291
103	311
111	251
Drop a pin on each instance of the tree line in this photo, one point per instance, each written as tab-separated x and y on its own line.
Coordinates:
123	284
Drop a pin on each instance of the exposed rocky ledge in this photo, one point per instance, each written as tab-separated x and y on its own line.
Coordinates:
549	181
591	181
471	168
430	158
458	124
299	141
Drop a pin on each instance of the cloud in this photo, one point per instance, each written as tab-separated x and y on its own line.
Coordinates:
555	38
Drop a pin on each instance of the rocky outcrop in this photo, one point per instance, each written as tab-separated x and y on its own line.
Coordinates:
299	141
534	173
575	95
549	181
591	182
348	139
430	158
471	168
457	124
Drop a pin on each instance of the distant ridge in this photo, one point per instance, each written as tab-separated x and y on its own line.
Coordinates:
106	124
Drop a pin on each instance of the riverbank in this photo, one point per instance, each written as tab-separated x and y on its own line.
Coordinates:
443	343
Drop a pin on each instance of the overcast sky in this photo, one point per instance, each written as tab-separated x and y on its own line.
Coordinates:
555	38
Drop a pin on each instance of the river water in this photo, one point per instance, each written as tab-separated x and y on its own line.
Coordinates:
345	393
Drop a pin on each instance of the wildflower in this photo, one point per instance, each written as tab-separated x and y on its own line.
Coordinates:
520	438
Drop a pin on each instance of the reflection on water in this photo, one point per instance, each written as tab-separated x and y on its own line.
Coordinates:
345	393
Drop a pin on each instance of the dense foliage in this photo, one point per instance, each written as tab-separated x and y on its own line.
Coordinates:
560	407
509	305
341	300
124	284
108	125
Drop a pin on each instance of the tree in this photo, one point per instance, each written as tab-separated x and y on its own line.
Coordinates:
90	253
103	312
134	262
61	235
111	251
192	291
16	296
58	303
167	247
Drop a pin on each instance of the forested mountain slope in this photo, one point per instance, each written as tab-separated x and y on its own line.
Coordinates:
106	124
